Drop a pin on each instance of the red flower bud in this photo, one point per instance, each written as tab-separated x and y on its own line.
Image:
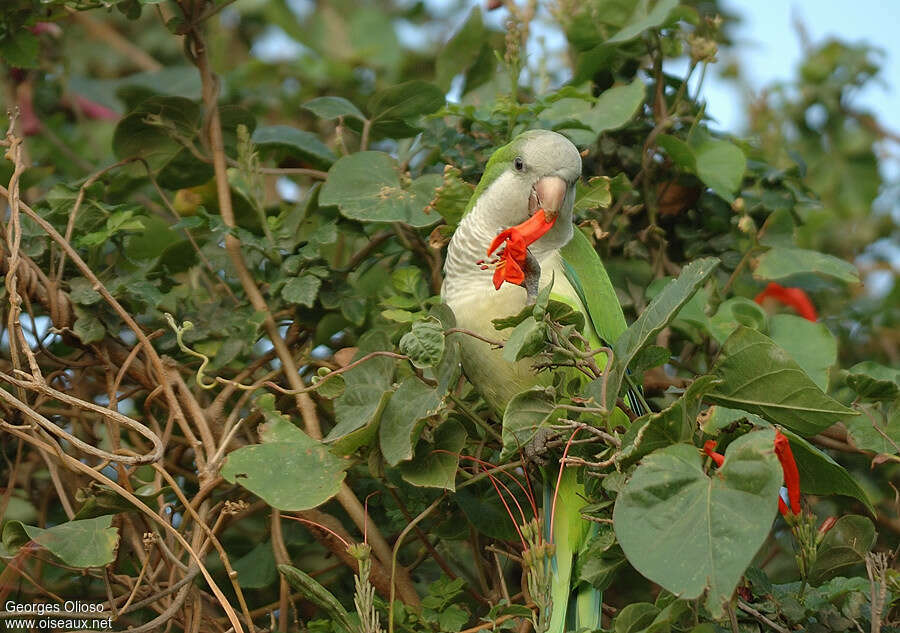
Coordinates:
791	297
709	449
791	473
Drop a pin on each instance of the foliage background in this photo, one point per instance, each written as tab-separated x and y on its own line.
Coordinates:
291	253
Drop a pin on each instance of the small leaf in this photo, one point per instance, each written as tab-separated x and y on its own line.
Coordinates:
635	618
527	339
811	344
256	568
358	414
289	469
81	543
780	263
89	329
733	313
404	417
844	546
424	344
406	100
452	196
333	107
873	381
302	290
688	531
595	194
435	465
721	166
299	143
82	291
760	377
615	107
527	413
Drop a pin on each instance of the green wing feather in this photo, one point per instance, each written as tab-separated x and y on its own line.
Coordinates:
586	273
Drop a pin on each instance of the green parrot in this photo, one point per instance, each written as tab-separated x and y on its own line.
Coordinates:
526	197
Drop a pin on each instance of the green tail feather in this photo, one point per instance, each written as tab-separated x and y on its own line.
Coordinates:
578	609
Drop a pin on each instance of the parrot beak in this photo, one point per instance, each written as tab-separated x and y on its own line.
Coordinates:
548	194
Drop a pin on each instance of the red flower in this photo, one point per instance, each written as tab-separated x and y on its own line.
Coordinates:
511	262
791	474
791	297
709	449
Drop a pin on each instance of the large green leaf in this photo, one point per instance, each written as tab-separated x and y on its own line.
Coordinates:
366	186
721	166
874	381
332	108
289	470
688	531
877	429
153	128
79	543
659	313
781	262
424	343
358	414
758	376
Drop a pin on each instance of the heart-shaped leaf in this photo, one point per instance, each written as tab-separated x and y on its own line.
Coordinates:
689	531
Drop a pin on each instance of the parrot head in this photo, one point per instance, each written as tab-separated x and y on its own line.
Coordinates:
524	200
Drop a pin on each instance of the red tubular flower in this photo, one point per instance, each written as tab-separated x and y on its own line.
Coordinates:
791	474
510	266
791	297
709	449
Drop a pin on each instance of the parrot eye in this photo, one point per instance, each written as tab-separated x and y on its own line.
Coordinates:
519	164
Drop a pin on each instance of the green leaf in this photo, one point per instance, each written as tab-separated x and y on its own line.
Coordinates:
688	531
358	414
672	425
98	500
821	475
679	151
760	377
289	470
658	314
484	511
310	589
81	543
153	129
435	464
721	166
256	568
366	186
89	328
845	545
82	291
735	312
811	344
595	194
526	413
781	263
615	107
424	344
405	100
404	417
302	290
333	107
20	48
873	381
527	339
877	430
461	50
641	20
635	617
293	142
